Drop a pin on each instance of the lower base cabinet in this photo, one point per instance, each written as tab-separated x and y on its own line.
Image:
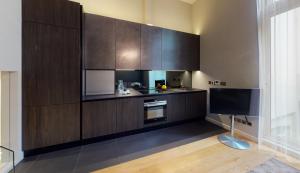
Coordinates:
99	118
196	105
129	114
105	117
176	107
50	125
186	106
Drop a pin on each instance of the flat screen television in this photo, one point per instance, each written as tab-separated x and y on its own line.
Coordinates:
230	101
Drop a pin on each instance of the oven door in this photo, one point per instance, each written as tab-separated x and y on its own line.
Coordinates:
155	111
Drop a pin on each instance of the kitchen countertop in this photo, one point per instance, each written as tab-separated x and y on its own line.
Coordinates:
135	93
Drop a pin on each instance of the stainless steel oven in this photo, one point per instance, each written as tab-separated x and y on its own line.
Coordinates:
155	110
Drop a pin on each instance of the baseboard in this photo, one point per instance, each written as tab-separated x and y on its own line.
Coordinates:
280	148
227	127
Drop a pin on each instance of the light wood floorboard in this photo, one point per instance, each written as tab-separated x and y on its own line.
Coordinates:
204	156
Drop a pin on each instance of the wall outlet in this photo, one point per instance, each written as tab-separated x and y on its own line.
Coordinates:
223	83
217	82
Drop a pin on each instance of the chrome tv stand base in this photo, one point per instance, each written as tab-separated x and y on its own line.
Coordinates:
231	141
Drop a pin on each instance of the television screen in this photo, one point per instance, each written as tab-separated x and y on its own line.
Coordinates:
234	101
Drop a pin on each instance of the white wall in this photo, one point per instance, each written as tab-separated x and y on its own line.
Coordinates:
229	47
10	60
172	14
10	35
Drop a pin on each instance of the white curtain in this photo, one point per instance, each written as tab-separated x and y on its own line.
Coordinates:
279	45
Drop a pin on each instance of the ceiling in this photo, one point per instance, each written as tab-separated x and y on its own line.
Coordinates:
189	1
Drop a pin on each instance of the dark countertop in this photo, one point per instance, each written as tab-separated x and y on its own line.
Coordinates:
135	93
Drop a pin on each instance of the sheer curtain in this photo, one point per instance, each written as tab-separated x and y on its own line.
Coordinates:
279	45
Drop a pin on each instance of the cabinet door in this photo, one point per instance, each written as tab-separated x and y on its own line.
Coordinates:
99	42
98	118
51	65
176	108
55	12
50	125
171	50
196	105
181	51
71	65
128	45
42	65
151	48
192	52
129	113
51	85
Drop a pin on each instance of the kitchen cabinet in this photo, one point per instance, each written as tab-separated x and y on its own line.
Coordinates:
117	44
55	12
176	107
45	126
51	80
128	45
51	65
180	51
99	42
171	50
192	50
129	114
196	105
98	118
151	48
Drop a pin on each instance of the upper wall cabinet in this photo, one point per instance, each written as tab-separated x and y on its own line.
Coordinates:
180	51
117	44
55	12
99	42
171	53
128	45
151	48
192	50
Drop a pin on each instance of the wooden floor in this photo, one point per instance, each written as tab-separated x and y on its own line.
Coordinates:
204	156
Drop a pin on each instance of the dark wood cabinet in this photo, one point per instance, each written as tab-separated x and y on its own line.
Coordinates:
55	12
50	125
180	51
176	108
99	42
151	48
117	44
98	118
171	50
51	65
192	51
50	73
128	45
129	113
186	106
196	105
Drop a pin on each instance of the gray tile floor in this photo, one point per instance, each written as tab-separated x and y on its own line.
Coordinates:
103	154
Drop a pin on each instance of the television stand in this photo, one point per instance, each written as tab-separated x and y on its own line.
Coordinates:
231	141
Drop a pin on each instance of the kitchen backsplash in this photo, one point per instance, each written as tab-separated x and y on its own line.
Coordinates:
147	78
177	79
